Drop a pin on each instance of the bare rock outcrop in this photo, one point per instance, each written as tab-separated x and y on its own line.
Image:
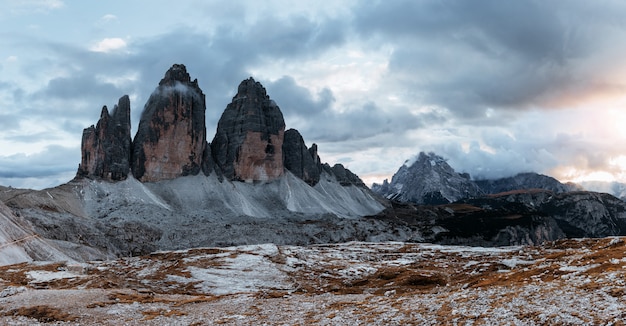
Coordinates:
248	145
300	160
344	176
171	138
106	147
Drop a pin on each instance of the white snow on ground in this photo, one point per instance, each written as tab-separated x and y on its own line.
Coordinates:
240	274
47	276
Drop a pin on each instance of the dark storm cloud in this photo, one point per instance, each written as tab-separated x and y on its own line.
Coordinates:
84	85
470	56
219	60
326	124
298	100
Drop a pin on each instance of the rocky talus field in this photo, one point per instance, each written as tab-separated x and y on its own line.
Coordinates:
567	282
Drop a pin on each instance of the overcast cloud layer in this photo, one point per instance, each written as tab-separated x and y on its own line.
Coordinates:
496	87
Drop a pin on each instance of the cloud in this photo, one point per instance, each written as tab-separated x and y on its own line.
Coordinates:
512	56
21	7
315	116
108	18
109	45
53	160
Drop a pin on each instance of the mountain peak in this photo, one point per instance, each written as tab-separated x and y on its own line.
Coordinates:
249	139
177	73
428	179
171	137
426	159
170	142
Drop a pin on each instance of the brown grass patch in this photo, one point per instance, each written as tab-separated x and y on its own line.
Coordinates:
464	208
14	275
617	292
271	294
517	192
398	279
197	300
128	298
44	314
151	314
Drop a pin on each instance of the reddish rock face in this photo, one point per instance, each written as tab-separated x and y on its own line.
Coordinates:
171	137
259	160
105	148
248	145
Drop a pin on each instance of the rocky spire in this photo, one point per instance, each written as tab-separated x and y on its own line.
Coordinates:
106	147
171	137
248	144
301	161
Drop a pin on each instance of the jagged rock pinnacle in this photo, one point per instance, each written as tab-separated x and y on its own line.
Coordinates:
249	139
105	148
171	137
301	161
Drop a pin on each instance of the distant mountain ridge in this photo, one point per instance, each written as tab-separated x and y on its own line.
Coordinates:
527	180
527	208
429	179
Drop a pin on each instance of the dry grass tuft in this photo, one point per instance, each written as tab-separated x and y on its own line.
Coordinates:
44	314
151	314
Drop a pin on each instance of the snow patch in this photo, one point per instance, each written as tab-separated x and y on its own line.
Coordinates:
47	276
241	274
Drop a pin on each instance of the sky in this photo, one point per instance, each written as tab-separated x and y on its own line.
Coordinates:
495	87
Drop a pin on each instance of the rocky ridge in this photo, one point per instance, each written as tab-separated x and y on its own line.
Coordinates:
528	180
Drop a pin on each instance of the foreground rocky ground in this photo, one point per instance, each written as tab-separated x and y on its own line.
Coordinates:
560	283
